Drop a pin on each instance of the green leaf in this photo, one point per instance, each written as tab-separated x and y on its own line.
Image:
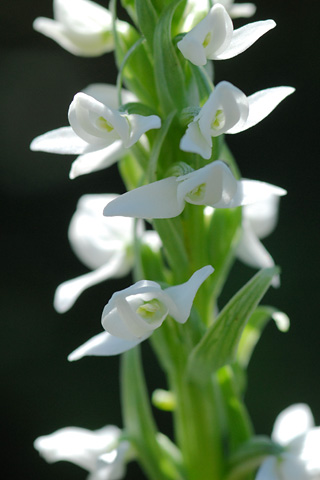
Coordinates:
219	345
171	234
169	76
238	420
133	62
253	331
203	81
223	230
147	18
160	137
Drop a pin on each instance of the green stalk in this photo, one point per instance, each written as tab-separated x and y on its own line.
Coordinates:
197	428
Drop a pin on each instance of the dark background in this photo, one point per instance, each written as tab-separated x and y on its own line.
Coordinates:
41	391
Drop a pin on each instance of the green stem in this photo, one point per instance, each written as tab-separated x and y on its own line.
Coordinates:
197	429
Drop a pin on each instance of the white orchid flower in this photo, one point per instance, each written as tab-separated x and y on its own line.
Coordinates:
132	314
229	110
214	38
99	133
81	27
213	185
294	429
258	221
103	245
100	452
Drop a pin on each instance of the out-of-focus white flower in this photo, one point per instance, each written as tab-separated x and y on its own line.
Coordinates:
258	221
229	110
103	245
132	314
100	452
196	10
214	38
99	133
212	185
294	429
81	27
237	10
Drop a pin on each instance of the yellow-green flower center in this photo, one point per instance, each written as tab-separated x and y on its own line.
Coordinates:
198	192
104	124
218	120
152	311
206	40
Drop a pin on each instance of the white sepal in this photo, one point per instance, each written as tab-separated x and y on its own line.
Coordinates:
244	37
261	104
155	200
103	345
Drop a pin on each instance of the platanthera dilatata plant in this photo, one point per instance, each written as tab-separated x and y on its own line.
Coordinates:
187	215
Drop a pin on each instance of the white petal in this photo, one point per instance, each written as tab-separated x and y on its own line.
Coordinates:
262	216
68	292
193	141
232	103
292	422
155	200
268	470
96	239
96	160
139	125
62	140
111	465
56	31
108	94
183	295
192	51
77	445
251	191
244	37
102	345
210	185
83	114
252	252
282	321
306	447
261	104
120	317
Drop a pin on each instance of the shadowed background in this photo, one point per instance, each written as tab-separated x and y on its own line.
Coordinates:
41	391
